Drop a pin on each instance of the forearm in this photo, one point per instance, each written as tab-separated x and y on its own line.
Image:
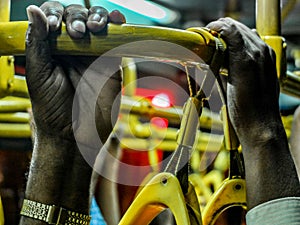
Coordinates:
51	159
270	170
49	163
77	183
58	176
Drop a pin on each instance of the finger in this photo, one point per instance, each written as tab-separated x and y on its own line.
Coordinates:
37	47
54	12
217	25
255	32
75	17
38	26
98	18
116	17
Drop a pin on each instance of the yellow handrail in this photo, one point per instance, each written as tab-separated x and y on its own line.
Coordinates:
203	43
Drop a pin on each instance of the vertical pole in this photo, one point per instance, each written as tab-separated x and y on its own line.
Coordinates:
4	10
7	71
268	17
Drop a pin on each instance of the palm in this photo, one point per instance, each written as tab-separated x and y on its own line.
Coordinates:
52	80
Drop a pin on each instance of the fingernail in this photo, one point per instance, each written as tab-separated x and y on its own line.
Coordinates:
117	17
52	20
29	13
95	17
78	26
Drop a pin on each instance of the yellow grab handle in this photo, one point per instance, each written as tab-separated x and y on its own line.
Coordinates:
203	43
162	192
231	193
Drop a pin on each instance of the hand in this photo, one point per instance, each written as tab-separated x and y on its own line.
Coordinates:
52	80
58	172
252	95
252	87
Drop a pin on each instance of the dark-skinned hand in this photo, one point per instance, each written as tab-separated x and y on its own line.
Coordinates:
252	95
252	87
52	80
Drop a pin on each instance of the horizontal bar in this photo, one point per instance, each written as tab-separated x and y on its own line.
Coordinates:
144	108
15	130
12	37
14	104
17	117
19	88
203	145
290	84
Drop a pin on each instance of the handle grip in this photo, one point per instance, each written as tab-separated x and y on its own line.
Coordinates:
202	42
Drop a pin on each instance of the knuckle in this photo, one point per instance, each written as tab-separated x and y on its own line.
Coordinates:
98	10
75	12
52	8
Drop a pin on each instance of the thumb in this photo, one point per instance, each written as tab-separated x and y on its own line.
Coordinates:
38	25
37	46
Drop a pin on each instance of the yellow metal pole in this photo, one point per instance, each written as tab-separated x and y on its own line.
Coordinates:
143	107
19	87
268	25
17	117
4	10
15	130
203	43
6	62
14	104
268	17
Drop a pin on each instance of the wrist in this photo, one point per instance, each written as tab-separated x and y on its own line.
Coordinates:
51	158
262	134
77	184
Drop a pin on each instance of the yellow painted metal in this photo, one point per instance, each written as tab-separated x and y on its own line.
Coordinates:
4	10
143	107
1	213
203	191
268	25
205	182
6	62
213	179
268	17
163	191
11	84
189	122
7	73
230	138
15	130
19	86
202	44
14	104
278	44
290	84
129	76
166	145
15	117
231	193
193	206
136	136
287	123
